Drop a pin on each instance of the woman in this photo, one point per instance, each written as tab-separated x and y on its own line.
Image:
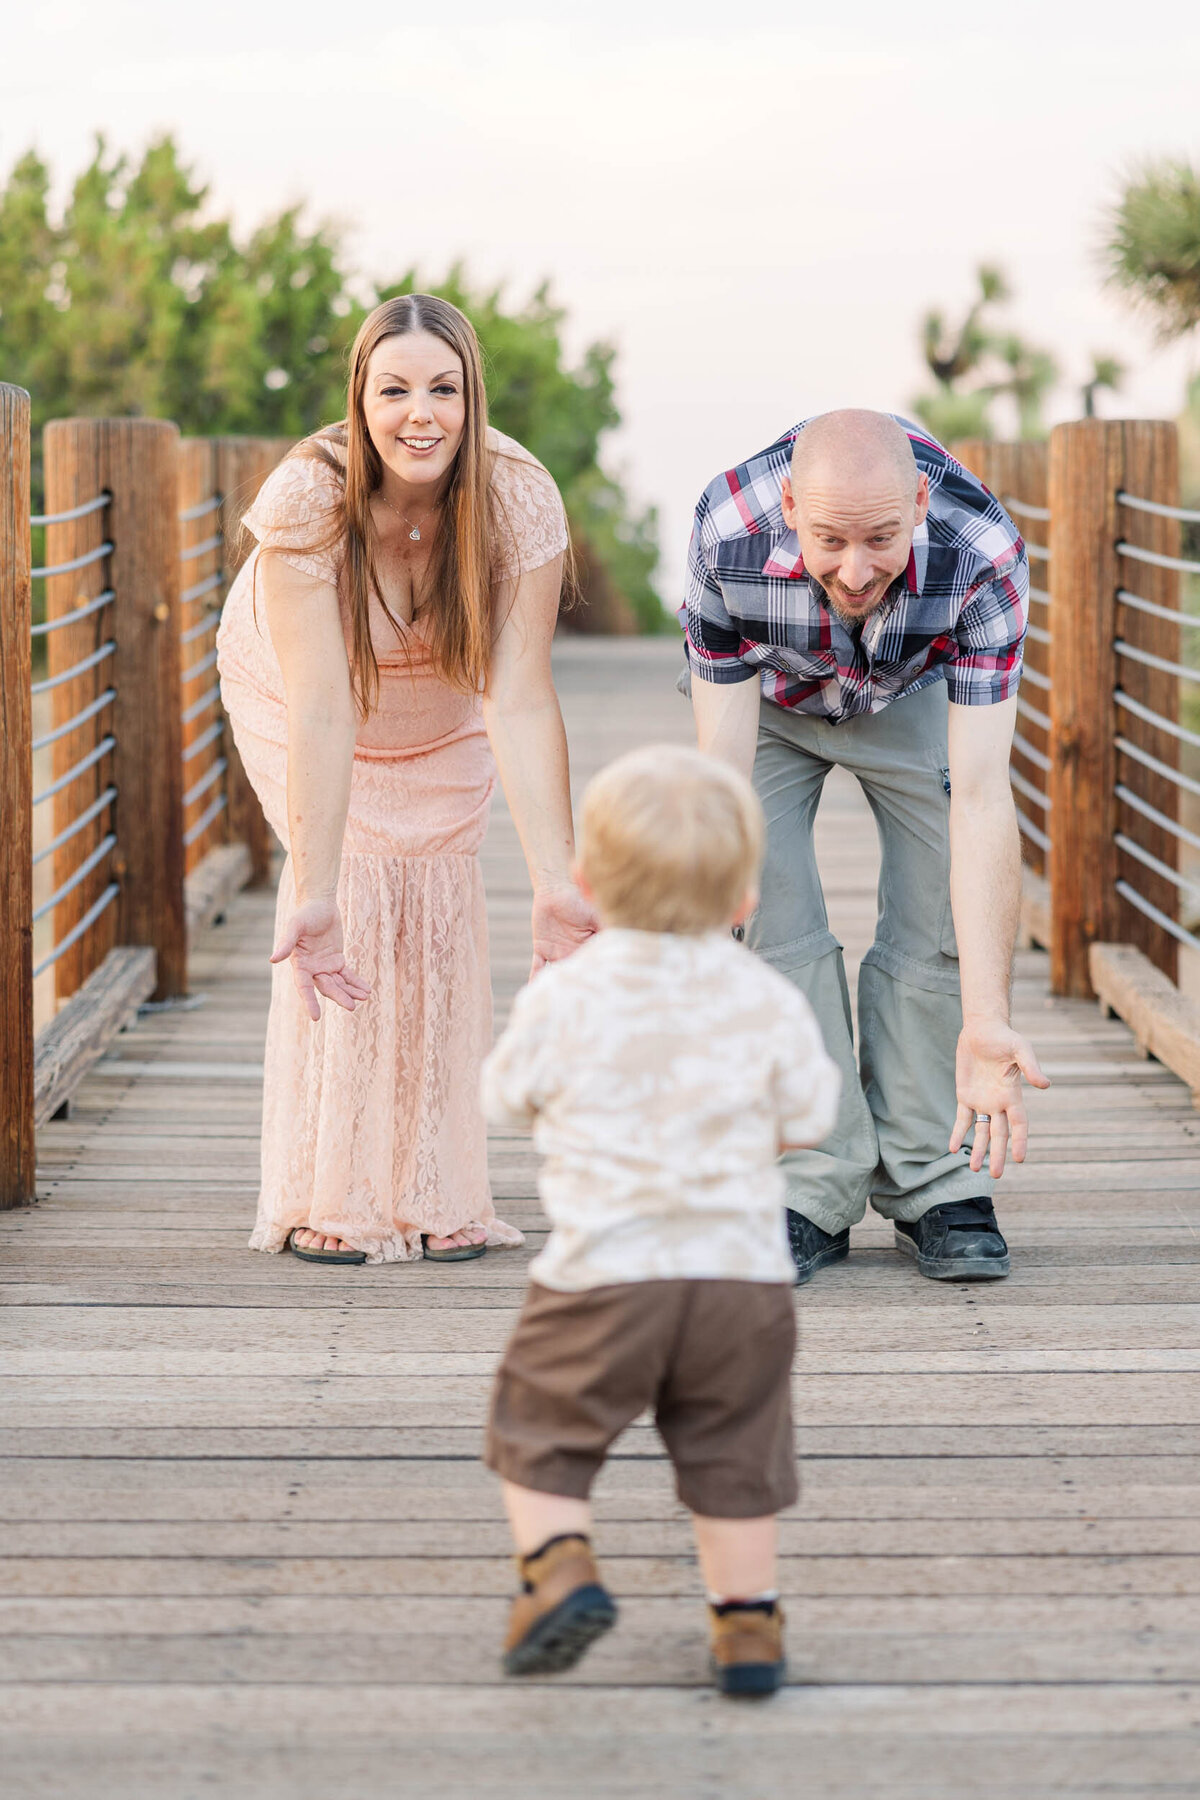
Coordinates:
383	649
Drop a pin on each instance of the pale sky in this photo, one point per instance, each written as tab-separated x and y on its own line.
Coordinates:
755	204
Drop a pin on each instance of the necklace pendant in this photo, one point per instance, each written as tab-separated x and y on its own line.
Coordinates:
415	534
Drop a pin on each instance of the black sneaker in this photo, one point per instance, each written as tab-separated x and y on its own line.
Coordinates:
958	1241
812	1248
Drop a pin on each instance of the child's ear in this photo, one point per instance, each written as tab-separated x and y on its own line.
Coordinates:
746	908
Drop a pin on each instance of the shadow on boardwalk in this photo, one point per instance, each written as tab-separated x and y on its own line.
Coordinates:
249	1549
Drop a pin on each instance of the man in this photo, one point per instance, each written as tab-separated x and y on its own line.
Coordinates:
856	597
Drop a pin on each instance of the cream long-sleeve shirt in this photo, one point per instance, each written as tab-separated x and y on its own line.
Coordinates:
661	1076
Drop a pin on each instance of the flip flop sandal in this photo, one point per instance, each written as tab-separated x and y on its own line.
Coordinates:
323	1256
464	1252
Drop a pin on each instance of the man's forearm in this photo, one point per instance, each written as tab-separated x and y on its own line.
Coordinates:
726	717
985	892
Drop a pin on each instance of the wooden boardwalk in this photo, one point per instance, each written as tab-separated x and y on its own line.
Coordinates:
248	1548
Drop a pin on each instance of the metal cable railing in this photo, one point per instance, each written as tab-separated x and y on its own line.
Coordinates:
84	835
1182	565
1164	680
1186	515
1024	509
72	513
199	794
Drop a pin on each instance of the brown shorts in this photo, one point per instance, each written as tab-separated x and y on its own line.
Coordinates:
711	1358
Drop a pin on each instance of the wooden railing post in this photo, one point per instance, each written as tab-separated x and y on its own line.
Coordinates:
1085	474
136	461
17	1149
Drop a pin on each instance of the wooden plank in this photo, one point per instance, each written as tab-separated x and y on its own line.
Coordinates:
209	889
457	1486
661	1643
1034	1443
1062	1397
1164	1022
618	1532
860	1329
1027	1741
85	1027
178	1577
17	1145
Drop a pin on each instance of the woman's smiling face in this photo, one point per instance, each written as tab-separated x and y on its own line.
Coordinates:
414	405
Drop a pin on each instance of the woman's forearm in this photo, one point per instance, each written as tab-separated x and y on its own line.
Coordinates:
530	747
320	760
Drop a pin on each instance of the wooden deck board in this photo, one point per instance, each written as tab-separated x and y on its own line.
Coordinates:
250	1548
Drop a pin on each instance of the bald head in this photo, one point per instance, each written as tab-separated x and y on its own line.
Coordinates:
854	449
854	498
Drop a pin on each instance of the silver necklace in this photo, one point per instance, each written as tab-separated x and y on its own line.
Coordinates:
414	531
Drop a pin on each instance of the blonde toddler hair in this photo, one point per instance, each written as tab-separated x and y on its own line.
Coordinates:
671	840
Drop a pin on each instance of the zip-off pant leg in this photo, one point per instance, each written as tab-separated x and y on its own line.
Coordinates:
909	1007
790	930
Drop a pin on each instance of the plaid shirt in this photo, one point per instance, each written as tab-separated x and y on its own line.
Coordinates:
958	613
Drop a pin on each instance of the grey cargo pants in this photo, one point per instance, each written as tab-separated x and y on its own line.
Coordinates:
898	1100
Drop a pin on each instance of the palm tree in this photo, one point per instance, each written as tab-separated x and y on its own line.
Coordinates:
1152	245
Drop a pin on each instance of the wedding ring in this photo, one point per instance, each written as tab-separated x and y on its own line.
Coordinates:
983	1118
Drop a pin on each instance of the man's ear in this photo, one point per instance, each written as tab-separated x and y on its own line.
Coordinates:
789	503
922	498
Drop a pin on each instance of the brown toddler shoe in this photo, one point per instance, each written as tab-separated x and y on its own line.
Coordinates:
563	1606
747	1647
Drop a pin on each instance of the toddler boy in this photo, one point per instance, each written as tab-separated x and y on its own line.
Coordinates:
662	1068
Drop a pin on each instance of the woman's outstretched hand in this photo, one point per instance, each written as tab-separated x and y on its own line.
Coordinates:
312	940
562	920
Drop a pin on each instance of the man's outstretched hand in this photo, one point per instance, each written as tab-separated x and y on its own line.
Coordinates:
312	939
562	921
991	1060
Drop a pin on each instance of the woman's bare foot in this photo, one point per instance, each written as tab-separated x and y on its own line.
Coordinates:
457	1240
317	1240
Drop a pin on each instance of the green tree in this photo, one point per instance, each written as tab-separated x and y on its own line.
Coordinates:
134	301
139	299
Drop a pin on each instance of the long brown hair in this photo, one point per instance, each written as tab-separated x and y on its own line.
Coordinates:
460	572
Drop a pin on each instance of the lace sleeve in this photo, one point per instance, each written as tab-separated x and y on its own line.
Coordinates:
530	521
294	513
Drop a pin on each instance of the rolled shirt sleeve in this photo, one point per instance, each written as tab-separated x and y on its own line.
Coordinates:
989	637
712	641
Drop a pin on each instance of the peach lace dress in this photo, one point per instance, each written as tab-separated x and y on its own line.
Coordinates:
372	1126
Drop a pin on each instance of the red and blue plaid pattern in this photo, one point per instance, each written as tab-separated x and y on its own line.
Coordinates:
957	614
